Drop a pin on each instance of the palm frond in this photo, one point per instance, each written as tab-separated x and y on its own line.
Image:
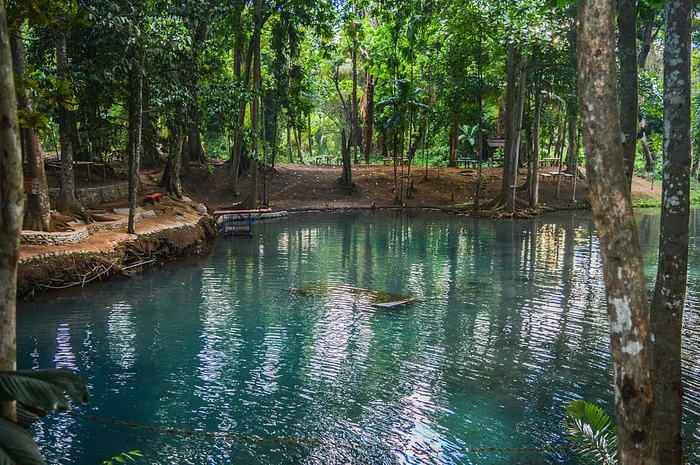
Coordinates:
17	446
593	430
44	389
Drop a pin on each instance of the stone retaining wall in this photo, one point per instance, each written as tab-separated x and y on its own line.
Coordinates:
97	195
81	233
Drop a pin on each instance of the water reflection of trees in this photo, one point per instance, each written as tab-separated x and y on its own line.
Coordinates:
509	327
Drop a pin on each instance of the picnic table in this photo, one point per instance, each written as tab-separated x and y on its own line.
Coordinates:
467	161
55	163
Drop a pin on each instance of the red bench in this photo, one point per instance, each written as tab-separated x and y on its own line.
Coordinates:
153	198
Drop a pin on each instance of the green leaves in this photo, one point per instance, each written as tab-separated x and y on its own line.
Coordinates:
44	389
124	457
17	446
468	134
591	428
40	390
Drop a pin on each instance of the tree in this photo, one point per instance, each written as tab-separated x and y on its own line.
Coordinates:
627	45
37	215
67	202
671	278
397	112
135	130
11	208
625	286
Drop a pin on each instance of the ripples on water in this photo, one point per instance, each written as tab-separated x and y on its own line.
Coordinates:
509	327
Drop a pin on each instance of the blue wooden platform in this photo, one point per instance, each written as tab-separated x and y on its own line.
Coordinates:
229	218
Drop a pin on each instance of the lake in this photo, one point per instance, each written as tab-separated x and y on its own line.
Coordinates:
272	349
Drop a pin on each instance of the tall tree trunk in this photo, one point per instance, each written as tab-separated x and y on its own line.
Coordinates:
627	46
648	158
454	141
534	182
571	148
311	139
255	111
37	214
238	141
290	157
297	139
11	201
510	145
623	268
647	39
514	162
67	202
238	136
671	278
346	176
151	156
367	116
171	175
195	150
135	126
354	120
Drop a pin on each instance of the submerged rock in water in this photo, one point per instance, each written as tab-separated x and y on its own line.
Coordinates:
377	298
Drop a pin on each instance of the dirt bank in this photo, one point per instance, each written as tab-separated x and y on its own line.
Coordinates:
173	232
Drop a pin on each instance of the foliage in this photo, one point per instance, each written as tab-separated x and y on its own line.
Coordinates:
468	136
593	430
123	457
35	391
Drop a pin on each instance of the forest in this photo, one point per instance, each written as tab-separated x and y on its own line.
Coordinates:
263	82
255	83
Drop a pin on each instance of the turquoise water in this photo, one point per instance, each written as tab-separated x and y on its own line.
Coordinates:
508	327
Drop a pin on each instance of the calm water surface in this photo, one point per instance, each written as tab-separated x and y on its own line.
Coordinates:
509	326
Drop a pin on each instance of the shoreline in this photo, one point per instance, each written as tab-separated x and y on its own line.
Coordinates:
178	228
110	250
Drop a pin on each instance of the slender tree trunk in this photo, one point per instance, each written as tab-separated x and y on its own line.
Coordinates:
11	202
518	129
627	46
454	141
195	149
290	157
298	139
647	39
649	159
571	148
367	116
346	176
311	139
135	126
354	120
255	113
696	159
534	185
238	141
67	202
37	215
559	147
671	278
510	145
572	144
623	268
151	157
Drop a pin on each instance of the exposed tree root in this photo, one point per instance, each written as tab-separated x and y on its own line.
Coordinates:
61	271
